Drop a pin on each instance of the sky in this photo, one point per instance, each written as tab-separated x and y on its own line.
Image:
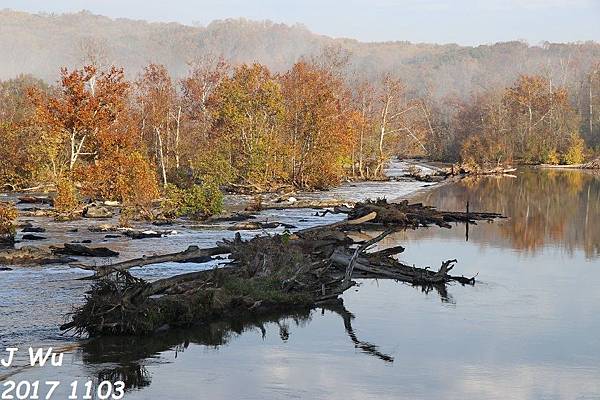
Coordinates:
467	22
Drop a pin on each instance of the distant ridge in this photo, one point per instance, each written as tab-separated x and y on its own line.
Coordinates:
39	44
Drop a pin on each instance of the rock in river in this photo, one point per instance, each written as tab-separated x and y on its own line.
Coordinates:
29	236
94	210
81	250
31	229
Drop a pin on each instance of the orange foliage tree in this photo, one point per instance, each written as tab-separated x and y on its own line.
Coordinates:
20	148
90	134
319	127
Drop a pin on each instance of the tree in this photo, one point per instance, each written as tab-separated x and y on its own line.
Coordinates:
401	123
592	116
20	149
156	101
197	89
8	217
319	126
248	113
74	118
90	136
541	118
482	129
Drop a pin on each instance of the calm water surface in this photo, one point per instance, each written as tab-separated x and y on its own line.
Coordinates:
529	329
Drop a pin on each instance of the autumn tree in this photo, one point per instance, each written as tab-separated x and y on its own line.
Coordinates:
248	115
159	117
364	148
541	118
197	90
90	137
8	217
482	128
591	96
400	123
319	125
20	149
531	122
72	120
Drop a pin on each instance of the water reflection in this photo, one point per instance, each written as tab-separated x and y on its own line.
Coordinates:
527	330
545	208
128	357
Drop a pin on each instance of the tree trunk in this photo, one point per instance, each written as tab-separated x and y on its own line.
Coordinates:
161	156
177	138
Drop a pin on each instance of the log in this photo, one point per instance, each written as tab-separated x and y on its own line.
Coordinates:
391	251
316	204
192	254
34	200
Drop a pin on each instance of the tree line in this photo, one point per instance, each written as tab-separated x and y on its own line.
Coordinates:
99	135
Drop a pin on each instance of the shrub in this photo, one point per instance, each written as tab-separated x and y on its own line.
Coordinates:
197	201
552	157
66	199
137	185
213	165
127	213
125	177
8	216
576	152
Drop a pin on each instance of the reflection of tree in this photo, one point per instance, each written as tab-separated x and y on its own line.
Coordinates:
556	207
128	357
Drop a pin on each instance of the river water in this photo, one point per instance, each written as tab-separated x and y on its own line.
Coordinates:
529	328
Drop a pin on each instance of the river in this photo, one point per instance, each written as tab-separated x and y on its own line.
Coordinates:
529	328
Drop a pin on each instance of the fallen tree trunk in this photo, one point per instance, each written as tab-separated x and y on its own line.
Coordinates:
316	204
192	254
264	274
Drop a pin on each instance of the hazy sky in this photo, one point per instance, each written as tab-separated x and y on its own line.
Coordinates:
459	21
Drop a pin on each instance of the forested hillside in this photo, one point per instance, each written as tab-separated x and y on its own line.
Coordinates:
39	44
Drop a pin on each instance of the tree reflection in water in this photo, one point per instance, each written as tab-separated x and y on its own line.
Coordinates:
128	357
545	207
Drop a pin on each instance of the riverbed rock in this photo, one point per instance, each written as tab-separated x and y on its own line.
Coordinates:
30	236
254	225
37	212
135	234
73	249
7	239
162	222
30	255
103	228
35	200
94	210
594	164
31	229
232	217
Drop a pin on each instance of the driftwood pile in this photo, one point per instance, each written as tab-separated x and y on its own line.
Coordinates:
594	164
474	169
281	272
